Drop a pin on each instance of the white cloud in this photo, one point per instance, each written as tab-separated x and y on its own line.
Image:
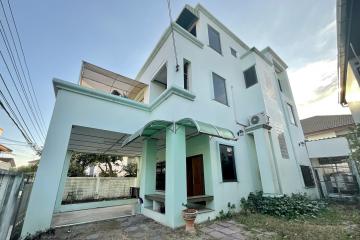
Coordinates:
315	89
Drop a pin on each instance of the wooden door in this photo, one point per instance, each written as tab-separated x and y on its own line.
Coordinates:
195	176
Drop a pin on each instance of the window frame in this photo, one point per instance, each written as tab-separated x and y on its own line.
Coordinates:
312	179
188	82
233	163
257	80
280	86
218	33
291	113
213	89
156	175
233	52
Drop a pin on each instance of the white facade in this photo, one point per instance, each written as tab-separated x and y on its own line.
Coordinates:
260	162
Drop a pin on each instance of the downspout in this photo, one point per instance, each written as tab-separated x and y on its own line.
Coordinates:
234	110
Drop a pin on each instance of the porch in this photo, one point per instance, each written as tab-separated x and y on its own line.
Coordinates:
176	169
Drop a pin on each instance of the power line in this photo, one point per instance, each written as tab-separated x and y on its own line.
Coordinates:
17	108
172	34
22	101
12	58
36	113
16	124
26	65
11	140
15	144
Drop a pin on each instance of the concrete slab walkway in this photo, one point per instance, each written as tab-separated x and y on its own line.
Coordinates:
141	227
90	215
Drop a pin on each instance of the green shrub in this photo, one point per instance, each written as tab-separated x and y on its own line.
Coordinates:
293	206
228	214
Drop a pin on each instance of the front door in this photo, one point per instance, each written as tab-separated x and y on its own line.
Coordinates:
195	176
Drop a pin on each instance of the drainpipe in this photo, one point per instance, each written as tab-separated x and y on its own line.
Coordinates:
234	111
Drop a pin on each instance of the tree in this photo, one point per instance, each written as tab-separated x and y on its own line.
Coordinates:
28	168
354	143
130	170
80	161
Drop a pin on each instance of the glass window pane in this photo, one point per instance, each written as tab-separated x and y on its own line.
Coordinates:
291	114
219	89
250	77
160	176
233	52
214	39
227	163
307	176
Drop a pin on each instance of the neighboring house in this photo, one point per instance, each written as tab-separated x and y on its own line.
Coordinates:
6	163
211	123
329	151
348	42
6	159
327	126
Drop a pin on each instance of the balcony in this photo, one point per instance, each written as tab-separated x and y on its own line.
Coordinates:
97	78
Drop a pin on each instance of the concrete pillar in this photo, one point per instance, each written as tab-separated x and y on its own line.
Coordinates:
265	160
148	170
63	180
48	176
175	186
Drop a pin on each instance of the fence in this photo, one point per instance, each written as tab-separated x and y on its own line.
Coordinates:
82	189
336	180
14	192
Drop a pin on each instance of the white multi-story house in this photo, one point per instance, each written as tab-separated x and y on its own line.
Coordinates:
210	118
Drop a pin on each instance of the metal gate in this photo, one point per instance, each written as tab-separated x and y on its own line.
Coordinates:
335	178
13	200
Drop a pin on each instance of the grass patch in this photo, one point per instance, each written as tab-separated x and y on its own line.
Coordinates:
336	222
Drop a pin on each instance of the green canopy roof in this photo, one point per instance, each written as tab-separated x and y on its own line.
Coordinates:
148	130
193	127
207	128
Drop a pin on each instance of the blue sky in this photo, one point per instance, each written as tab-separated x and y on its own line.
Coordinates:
119	36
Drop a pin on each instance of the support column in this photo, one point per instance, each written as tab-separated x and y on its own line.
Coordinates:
49	174
266	160
175	186
148	170
63	180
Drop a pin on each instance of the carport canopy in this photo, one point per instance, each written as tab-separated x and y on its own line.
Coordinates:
193	127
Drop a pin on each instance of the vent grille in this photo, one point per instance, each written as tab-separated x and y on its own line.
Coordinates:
283	147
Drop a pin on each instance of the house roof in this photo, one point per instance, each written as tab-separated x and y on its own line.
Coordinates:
4	149
321	123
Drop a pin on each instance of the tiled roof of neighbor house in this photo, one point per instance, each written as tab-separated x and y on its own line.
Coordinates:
321	123
4	149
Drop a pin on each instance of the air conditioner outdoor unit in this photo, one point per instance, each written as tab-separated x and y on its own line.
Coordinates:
257	119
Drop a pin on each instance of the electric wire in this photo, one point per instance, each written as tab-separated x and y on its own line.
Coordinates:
25	61
16	124
22	101
17	108
172	35
11	56
36	113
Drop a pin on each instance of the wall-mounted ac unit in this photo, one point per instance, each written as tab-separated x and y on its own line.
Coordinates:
257	119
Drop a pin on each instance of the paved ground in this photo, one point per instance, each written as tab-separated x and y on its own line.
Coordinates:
90	215
140	227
